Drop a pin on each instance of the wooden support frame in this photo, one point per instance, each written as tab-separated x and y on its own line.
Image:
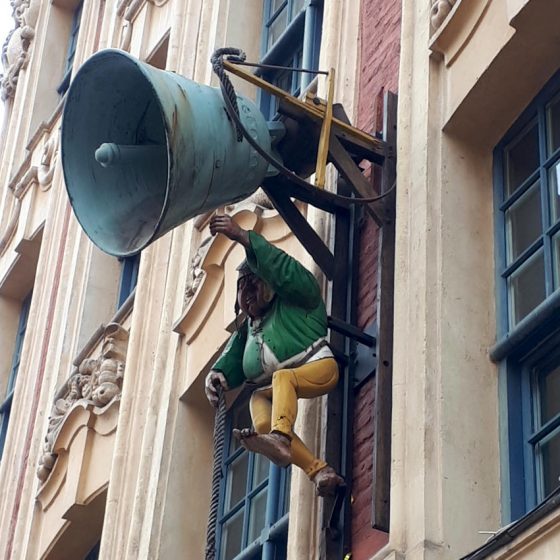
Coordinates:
385	310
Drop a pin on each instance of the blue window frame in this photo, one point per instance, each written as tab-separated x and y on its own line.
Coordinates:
254	500
71	52
6	405
527	202
129	277
291	37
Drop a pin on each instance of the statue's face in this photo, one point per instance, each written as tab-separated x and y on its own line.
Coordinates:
253	296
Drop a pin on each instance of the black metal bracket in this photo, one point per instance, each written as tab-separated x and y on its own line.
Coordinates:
333	527
365	358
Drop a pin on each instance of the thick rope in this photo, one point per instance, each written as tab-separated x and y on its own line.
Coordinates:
228	90
217	475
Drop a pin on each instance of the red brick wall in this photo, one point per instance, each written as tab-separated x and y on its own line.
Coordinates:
379	66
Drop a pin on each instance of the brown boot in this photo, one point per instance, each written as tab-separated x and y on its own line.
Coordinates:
327	481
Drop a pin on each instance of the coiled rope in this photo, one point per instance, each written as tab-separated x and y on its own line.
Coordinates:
217	475
228	91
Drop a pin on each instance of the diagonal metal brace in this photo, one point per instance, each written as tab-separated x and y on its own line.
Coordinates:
309	238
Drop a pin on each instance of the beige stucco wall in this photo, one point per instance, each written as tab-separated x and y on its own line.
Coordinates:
153	470
461	86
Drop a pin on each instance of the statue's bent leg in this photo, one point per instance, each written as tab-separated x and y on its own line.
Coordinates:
274	447
305	382
308	381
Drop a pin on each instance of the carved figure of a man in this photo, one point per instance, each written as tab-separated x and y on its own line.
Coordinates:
281	350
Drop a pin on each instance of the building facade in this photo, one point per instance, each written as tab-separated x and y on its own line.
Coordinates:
106	437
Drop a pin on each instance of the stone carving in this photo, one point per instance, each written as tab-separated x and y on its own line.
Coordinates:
15	52
196	273
260	198
48	163
440	10
96	381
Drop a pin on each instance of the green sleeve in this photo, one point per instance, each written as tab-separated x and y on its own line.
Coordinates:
286	276
230	363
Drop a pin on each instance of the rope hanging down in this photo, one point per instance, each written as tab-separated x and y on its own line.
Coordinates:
230	99
219	438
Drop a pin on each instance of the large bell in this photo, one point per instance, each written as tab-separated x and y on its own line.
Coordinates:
144	150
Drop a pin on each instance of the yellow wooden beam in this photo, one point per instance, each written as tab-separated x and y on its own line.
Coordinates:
324	139
316	113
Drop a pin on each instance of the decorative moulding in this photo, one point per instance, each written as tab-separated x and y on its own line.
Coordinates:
20	184
96	382
128	10
49	159
46	127
15	51
455	30
440	11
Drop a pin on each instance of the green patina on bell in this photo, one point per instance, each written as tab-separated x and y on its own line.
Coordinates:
144	150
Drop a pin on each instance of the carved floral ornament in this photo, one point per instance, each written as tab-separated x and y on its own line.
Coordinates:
96	381
440	10
15	51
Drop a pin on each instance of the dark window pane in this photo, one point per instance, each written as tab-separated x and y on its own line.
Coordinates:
549	389
257	515
553	124
550	451
524	222
526	288
236	481
281	549
276	5
297	6
260	469
296	79
277	27
232	534
554	186
522	158
556	254
241	419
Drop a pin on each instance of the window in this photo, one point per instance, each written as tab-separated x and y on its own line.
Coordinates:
254	500
527	174
72	43
6	406
291	37
129	277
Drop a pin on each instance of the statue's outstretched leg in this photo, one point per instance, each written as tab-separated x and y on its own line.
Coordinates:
274	410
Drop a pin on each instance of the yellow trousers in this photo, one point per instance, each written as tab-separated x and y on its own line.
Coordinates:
274	408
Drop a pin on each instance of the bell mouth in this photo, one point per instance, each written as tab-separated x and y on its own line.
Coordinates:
114	148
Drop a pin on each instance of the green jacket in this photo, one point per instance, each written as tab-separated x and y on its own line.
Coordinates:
296	319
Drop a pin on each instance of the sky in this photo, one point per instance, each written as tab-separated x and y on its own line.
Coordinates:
6	25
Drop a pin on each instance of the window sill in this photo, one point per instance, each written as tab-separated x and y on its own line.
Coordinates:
542	316
534	526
